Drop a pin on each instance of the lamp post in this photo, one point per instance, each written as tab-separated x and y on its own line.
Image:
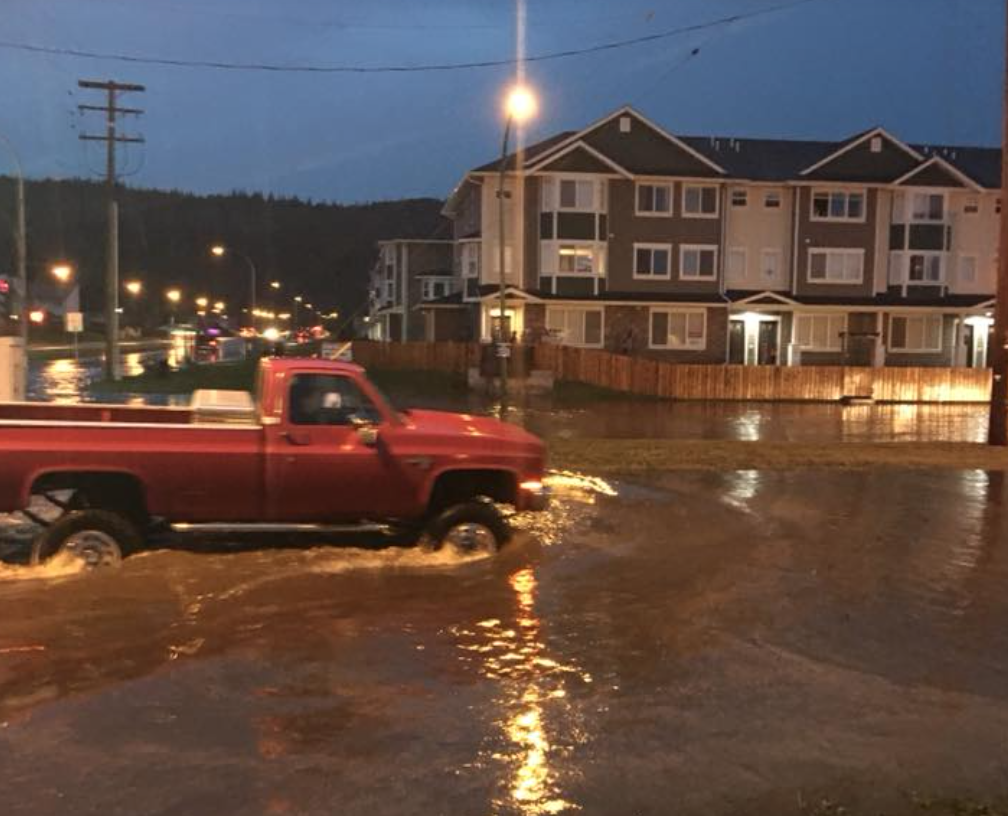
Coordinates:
20	240
219	251
519	107
173	296
63	273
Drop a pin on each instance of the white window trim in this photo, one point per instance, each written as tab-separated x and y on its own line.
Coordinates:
584	310
676	310
598	250
666	247
596	195
649	213
927	253
827	316
684	248
745	261
903	350
976	268
717	201
780	260
826	281
846	191
731	198
928	191
972	200
780	200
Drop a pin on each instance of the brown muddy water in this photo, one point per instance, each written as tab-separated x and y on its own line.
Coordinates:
701	644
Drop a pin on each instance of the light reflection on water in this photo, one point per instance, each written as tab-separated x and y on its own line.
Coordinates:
66	380
534	690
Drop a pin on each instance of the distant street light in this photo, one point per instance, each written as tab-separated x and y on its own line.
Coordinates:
274	284
134	287
62	272
173	295
219	306
36	316
202	302
219	251
519	107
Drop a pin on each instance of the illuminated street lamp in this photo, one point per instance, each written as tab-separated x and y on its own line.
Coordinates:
62	272
219	306
219	251
134	287
274	284
520	106
202	302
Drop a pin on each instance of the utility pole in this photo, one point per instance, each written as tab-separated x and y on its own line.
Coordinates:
997	433
111	138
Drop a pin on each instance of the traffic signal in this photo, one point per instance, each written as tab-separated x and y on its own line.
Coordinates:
5	305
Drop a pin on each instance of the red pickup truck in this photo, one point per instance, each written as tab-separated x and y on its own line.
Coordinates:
319	449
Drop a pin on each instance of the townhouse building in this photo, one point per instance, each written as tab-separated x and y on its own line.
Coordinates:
623	236
406	273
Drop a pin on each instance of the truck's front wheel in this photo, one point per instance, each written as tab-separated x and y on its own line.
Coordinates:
473	527
97	538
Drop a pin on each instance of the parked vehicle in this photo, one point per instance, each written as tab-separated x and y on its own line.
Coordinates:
320	449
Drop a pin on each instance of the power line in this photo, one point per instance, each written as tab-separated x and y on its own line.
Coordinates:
402	69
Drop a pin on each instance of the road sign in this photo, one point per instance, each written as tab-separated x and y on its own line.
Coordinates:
503	350
337	351
74	322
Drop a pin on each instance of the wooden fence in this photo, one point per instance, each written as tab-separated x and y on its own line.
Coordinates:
641	375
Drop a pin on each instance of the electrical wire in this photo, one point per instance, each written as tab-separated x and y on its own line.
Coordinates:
401	69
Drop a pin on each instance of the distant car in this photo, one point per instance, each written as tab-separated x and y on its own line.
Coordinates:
206	343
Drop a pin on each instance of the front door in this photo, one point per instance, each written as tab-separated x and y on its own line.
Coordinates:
768	343
318	466
969	341
736	342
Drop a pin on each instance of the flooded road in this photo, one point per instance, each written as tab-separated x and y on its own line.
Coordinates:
710	643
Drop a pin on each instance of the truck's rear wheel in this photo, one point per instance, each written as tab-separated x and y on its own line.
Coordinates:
97	538
473	527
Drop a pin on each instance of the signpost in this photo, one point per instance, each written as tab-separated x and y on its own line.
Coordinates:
74	324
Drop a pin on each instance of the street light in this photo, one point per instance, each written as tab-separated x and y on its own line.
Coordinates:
219	306
219	251
62	272
134	287
173	296
274	284
519	106
202	302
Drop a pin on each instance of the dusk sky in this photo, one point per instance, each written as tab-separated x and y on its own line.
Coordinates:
929	70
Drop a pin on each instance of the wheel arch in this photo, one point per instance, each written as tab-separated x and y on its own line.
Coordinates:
109	489
455	485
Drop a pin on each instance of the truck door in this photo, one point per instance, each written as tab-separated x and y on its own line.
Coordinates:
318	466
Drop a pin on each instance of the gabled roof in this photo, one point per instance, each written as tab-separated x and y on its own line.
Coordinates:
858	139
936	172
765	298
531	153
554	160
489	291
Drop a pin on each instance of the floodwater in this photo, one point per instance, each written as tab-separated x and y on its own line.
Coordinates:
65	379
736	643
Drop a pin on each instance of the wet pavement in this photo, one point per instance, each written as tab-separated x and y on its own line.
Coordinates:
728	643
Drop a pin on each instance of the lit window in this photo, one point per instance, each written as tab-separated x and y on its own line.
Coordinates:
575	327
820	332
575	260
700	201
675	329
925	268
915	333
836	266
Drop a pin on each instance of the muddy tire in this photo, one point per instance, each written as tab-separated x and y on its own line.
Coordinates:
98	538
473	527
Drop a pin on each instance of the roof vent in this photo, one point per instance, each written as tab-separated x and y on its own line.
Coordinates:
876	144
738	147
624	124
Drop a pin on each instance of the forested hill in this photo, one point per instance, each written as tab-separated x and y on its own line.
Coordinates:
323	250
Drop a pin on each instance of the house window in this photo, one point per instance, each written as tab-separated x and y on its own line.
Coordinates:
575	327
698	262
967	269
577	194
838	205
575	260
927	207
700	201
652	260
772	200
915	333
820	332
678	329
740	197
737	263
434	288
770	262
925	267
654	199
972	206
876	144
836	265
470	260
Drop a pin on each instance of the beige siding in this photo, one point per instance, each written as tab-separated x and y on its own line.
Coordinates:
975	235
755	228
513	231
